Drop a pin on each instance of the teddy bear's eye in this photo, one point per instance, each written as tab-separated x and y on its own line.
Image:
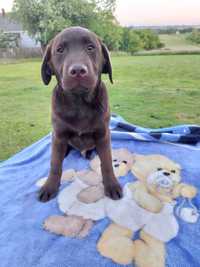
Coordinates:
159	169
173	171
124	161
114	160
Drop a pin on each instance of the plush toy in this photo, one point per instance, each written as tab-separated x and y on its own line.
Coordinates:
83	200
148	205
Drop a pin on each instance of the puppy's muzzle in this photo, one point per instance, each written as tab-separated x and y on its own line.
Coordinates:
78	71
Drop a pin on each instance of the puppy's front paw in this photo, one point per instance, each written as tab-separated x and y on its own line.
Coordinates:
47	192
113	190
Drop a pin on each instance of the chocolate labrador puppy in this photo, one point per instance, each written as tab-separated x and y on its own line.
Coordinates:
80	110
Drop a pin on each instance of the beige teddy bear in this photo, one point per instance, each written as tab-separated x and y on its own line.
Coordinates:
147	205
83	201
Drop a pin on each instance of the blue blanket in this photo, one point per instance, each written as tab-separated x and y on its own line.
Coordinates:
24	242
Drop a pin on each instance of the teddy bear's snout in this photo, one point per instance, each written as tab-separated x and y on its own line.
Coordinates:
163	182
161	179
166	173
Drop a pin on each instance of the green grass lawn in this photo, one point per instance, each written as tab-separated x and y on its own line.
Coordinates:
152	91
178	42
174	44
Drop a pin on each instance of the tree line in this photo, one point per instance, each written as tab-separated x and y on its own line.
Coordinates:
43	19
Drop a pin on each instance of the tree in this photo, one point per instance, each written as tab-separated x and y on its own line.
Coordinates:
105	5
135	40
106	26
130	41
149	39
194	36
134	44
43	19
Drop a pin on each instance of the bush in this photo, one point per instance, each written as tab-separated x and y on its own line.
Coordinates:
8	40
134	40
194	36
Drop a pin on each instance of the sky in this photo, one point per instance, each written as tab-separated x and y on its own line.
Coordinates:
150	12
158	12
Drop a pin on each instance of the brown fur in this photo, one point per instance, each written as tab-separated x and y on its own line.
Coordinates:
80	110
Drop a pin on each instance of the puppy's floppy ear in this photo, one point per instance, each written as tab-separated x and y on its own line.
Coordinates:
46	71
107	68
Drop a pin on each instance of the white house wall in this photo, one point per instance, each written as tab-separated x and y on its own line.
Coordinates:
27	41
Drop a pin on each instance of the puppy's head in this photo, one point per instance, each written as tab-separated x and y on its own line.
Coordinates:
77	58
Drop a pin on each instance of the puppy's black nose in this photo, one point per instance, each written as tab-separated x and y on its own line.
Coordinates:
166	173
78	70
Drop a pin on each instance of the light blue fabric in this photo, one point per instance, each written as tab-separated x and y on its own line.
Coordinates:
24	243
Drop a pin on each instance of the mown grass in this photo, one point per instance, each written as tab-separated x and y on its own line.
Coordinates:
178	42
175	44
153	91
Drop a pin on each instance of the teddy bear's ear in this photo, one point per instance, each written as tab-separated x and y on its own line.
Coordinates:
178	166
141	167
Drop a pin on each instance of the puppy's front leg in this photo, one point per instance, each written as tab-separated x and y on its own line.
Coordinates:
111	186
50	188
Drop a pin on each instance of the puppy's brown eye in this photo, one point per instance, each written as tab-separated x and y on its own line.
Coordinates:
60	49
159	169
173	171
90	47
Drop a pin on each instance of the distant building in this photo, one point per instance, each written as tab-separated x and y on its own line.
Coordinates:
8	25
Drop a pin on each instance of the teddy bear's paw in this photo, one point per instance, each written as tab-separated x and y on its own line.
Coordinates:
89	177
69	226
188	191
153	250
116	244
146	200
41	181
68	175
116	230
86	228
119	249
91	194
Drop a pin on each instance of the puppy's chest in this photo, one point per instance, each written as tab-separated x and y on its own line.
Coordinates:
80	113
78	119
80	132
